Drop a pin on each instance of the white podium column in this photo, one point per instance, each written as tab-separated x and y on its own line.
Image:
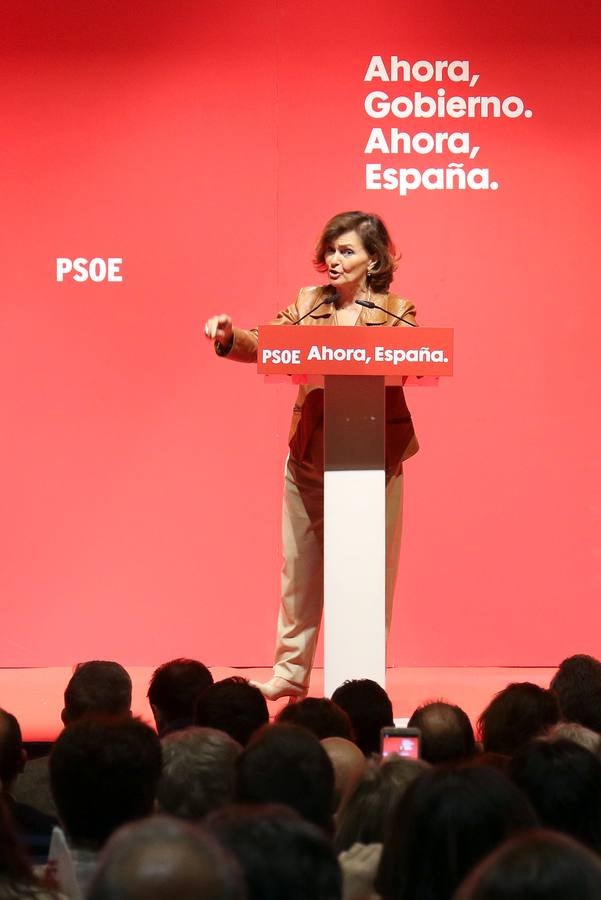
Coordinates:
354	530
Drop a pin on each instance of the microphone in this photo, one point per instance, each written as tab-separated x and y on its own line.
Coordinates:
329	300
371	305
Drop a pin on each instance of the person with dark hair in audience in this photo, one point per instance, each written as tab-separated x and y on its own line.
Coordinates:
173	691
538	865
33	827
287	764
517	714
577	685
281	854
97	687
446	732
234	706
321	716
563	782
349	764
369	708
447	820
17	879
199	772
163	859
103	774
368	813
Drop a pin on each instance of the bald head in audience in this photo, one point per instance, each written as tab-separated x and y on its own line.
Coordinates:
446	732
165	859
349	764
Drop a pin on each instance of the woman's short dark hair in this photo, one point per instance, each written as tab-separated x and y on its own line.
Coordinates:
281	854
517	714
541	865
563	782
368	707
321	716
376	240
287	764
577	684
447	820
103	774
234	706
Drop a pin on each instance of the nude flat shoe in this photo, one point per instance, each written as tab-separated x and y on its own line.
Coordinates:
278	687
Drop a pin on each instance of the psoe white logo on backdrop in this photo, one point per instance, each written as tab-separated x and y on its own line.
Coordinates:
82	269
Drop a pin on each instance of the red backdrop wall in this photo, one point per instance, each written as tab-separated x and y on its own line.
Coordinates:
206	145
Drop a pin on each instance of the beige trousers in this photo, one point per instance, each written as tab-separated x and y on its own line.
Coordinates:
302	574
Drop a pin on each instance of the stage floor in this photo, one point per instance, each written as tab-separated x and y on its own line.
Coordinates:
35	696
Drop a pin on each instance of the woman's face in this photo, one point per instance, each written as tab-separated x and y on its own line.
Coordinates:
347	261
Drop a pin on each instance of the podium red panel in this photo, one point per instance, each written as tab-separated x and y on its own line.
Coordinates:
355	351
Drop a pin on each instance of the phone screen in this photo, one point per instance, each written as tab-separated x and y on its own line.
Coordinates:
401	746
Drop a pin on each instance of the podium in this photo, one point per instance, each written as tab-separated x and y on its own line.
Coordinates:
353	367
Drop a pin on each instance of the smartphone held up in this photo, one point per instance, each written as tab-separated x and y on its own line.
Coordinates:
400	742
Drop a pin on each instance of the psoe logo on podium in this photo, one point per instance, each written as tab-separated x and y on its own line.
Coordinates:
97	269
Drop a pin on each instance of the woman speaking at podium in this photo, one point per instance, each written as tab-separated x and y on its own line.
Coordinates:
358	258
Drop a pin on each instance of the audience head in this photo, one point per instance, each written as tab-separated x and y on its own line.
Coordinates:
369	708
579	734
199	772
12	754
367	815
173	691
234	706
447	821
287	764
348	763
104	774
537	865
515	715
446	732
563	782
281	854
97	687
164	859
577	684
321	716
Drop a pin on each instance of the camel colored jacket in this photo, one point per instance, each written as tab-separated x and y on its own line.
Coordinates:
306	429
